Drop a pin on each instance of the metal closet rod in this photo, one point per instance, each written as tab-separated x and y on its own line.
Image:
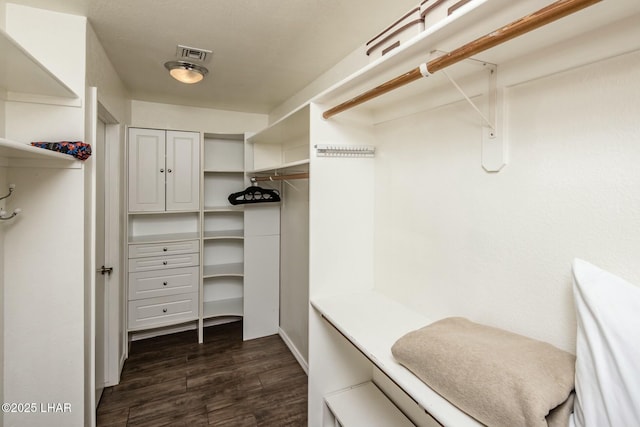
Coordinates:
528	23
304	175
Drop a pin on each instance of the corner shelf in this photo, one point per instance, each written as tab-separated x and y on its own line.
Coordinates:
230	208
24	74
223	270
223	307
223	234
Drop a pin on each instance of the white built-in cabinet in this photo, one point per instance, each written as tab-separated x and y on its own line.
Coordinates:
163	170
163	223
189	252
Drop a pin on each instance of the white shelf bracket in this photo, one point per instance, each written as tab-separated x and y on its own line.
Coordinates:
494	154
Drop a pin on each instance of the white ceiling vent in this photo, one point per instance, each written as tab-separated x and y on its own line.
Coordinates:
193	54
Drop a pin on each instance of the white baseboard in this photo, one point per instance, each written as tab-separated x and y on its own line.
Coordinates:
294	350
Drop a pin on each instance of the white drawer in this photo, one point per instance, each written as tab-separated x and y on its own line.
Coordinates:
155	249
163	262
156	283
162	311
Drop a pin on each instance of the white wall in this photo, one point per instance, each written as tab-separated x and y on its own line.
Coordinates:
452	239
179	117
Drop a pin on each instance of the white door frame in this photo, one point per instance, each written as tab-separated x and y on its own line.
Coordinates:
115	339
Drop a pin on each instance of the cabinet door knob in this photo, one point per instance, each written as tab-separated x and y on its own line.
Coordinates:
164	249
165	283
164	310
164	262
161	170
169	170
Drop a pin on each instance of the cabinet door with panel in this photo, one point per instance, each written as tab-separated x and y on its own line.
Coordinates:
146	170
183	171
164	170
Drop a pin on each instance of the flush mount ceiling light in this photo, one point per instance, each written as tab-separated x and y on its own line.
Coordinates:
186	72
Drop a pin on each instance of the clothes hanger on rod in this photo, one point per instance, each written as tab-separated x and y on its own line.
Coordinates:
254	194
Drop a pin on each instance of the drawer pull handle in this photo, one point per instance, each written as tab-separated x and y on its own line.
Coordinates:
164	249
164	262
165	283
164	310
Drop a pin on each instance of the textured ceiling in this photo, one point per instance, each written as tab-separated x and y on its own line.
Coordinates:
263	51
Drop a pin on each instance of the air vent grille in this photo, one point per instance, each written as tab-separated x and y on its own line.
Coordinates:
193	54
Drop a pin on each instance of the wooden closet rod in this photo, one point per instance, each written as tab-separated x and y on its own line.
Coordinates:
304	175
544	16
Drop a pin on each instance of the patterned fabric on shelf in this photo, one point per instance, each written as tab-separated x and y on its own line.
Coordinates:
77	149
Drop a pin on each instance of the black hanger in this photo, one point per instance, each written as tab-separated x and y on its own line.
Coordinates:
254	194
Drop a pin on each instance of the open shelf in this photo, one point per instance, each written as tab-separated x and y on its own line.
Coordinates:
17	150
372	323
302	165
229	208
22	73
224	307
223	171
223	270
223	234
294	126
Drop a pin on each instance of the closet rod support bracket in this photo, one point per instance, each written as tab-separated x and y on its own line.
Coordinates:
494	141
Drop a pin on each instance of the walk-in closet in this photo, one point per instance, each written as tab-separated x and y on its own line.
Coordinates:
364	213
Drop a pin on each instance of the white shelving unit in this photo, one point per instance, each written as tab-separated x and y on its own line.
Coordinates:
222	227
276	237
283	145
361	242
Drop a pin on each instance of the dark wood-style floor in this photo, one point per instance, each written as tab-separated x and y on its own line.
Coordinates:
174	381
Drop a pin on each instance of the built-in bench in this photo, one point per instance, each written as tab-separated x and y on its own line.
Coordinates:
372	323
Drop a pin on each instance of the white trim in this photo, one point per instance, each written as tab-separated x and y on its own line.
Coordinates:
294	350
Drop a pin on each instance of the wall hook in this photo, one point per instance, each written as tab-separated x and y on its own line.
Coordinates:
11	188
3	214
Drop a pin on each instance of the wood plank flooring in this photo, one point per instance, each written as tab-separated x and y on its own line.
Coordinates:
174	381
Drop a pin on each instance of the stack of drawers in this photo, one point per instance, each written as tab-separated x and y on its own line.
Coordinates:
163	283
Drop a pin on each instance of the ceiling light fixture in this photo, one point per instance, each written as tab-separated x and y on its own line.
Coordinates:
186	72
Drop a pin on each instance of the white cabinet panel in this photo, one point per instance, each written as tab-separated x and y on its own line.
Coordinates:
146	170
183	171
156	249
163	262
149	284
162	311
261	286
